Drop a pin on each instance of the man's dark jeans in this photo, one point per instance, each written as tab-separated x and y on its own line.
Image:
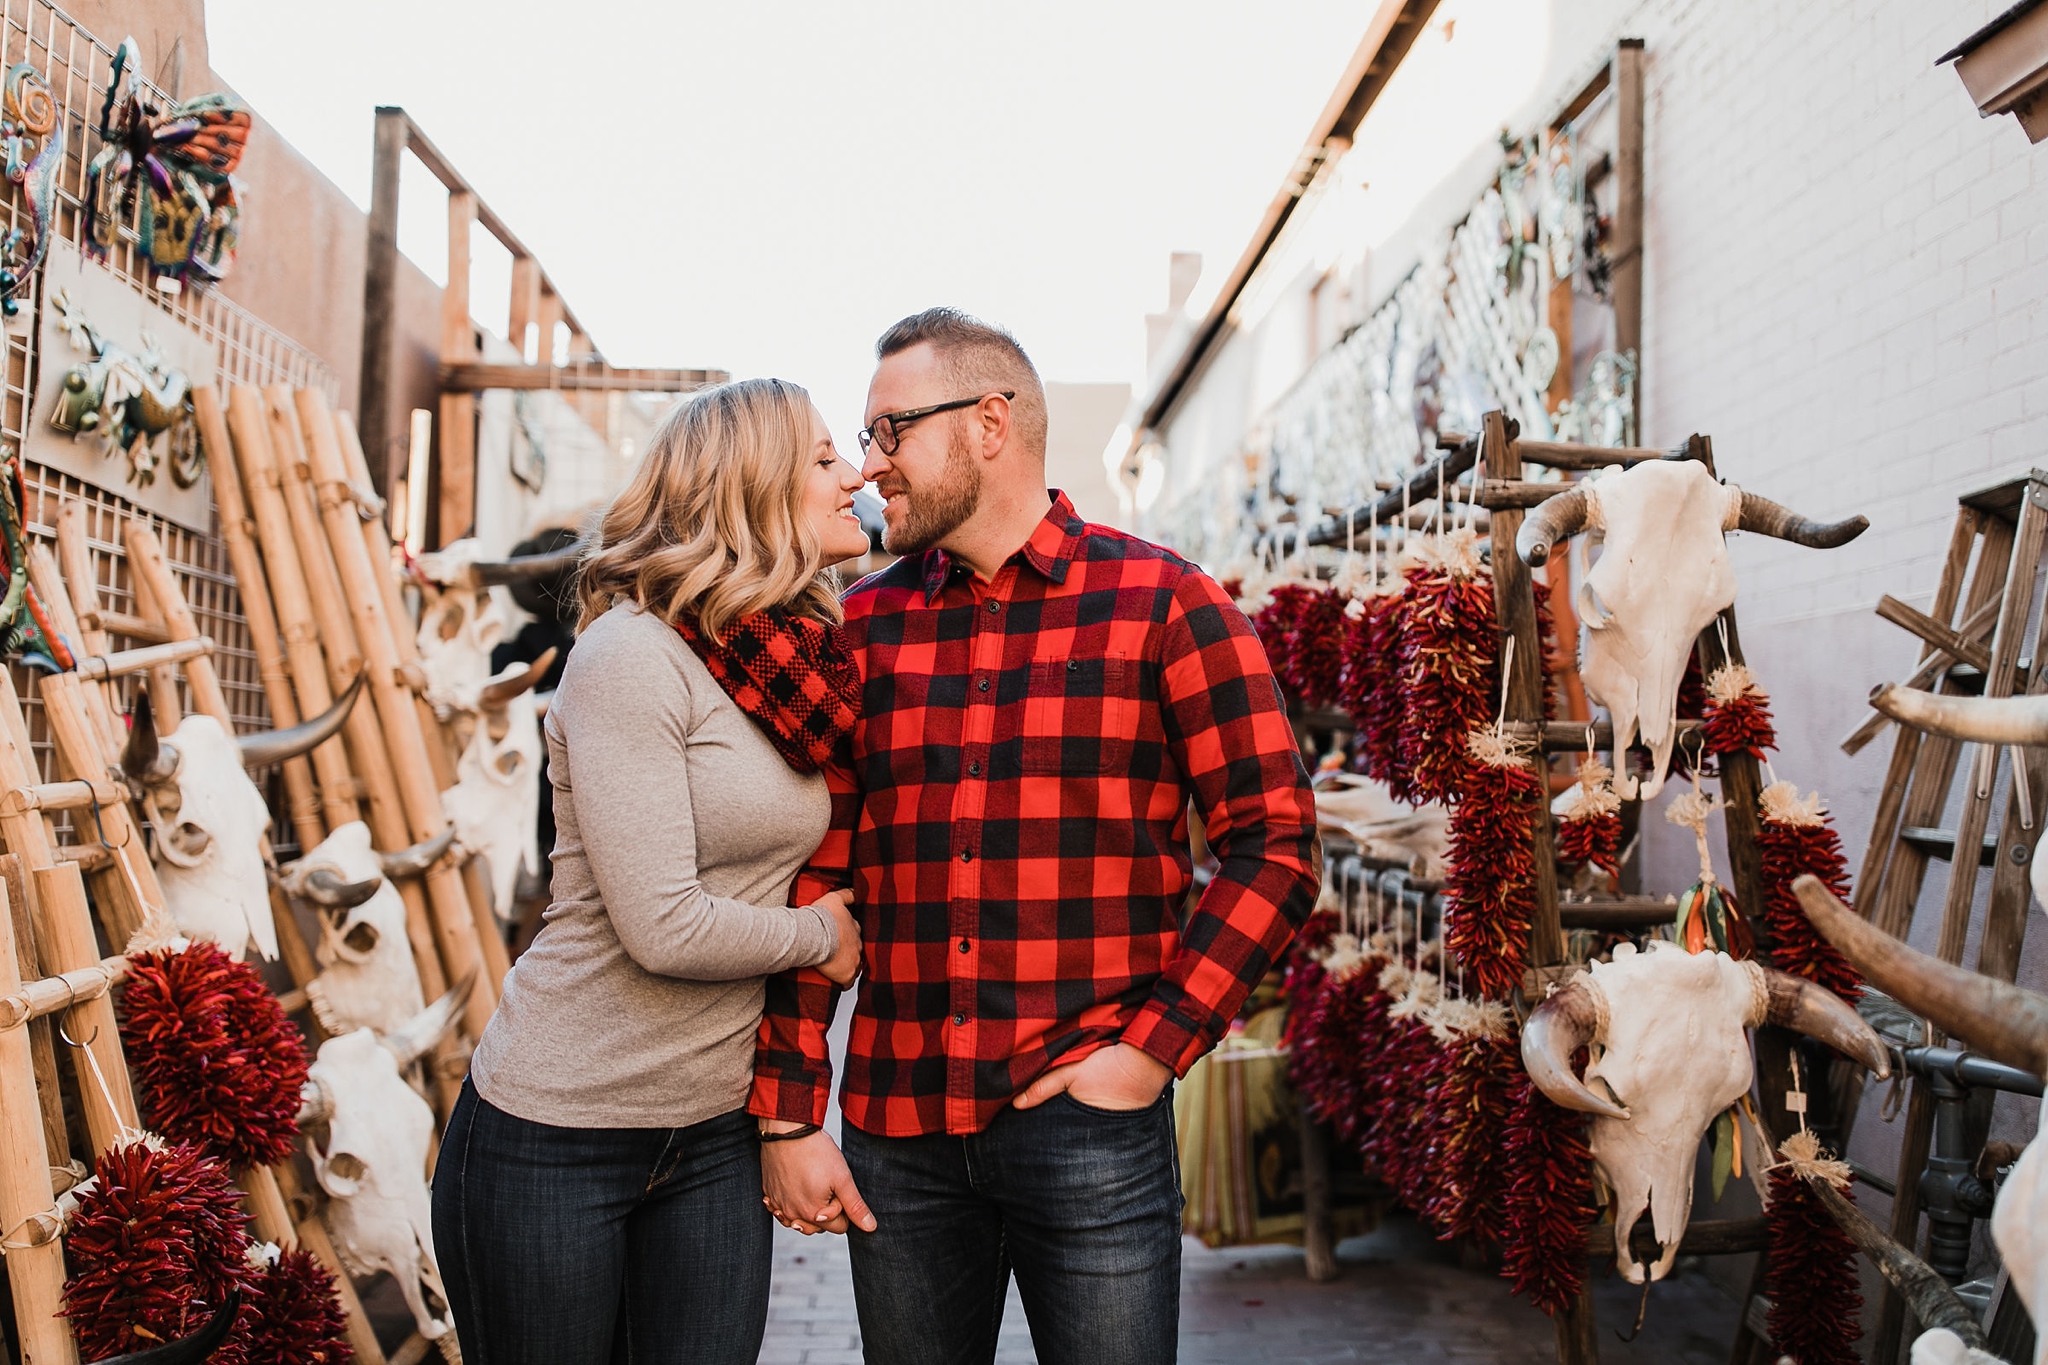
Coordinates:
587	1246
1083	1203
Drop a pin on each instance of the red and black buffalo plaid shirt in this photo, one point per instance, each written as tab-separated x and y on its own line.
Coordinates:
1012	814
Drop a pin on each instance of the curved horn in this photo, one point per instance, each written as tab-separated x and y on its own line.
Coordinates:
1560	1026
416	859
145	758
499	693
275	746
324	886
417	1036
1554	519
1814	1010
2002	1021
1767	518
1982	720
315	1104
491	573
193	1349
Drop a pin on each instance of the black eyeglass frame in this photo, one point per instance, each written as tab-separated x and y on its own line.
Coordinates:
871	434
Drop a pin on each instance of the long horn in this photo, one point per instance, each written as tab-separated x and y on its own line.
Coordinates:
145	758
1768	518
275	746
1554	519
1560	1026
1982	720
504	690
315	1104
1933	1303
1814	1010
190	1350
2002	1021
324	886
417	1036
416	858
491	573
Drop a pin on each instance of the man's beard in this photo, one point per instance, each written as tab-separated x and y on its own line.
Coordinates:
932	514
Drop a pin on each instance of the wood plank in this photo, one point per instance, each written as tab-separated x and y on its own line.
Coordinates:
380	303
472	377
1933	664
1626	246
35	1254
520	311
1956	644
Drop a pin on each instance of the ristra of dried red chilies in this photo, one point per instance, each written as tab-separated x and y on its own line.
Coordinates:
1795	838
1588	828
1490	883
157	1241
1371	688
293	1314
1276	622
1315	647
1815	1302
1547	1175
1328	1037
1405	1068
1469	1102
1738	714
214	1059
1448	670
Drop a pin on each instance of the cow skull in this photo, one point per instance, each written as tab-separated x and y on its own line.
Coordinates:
368	978
1662	577
1666	1029
463	619
495	802
373	1166
209	818
2004	1022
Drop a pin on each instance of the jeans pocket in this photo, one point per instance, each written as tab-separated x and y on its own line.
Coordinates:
1097	1111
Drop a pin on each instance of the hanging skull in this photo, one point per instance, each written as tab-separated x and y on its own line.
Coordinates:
1661	578
1666	1031
209	818
463	619
368	978
495	802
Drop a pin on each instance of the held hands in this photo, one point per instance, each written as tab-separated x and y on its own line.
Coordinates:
844	964
806	1185
1116	1077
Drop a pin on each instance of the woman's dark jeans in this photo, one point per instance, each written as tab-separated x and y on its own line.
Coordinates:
587	1246
1083	1203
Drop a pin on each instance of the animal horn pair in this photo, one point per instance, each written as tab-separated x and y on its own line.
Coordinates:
491	573
1565	515
275	746
2000	1020
414	860
501	693
1575	1017
1981	720
327	887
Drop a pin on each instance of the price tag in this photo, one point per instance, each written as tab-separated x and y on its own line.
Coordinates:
1795	1101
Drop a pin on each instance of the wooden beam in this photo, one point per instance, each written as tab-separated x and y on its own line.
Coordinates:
380	303
1627	289
1956	644
525	306
473	377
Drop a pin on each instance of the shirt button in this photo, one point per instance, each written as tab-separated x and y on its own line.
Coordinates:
994	607
974	768
964	946
966	855
959	1020
981	686
1073	665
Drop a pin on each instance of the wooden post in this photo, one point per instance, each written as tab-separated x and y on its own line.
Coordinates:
41	1041
247	562
454	920
1318	1226
458	410
259	477
163	678
1627	286
380	299
128	889
60	591
64	924
525	306
28	1213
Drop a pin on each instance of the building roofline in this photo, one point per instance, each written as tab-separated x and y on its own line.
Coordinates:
1988	32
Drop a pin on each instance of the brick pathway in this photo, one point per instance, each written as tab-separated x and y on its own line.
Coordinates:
1402	1298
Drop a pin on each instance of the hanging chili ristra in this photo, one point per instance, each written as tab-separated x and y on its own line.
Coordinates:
1588	828
1547	1196
1796	838
1737	715
1315	647
1448	670
1815	1302
1469	1102
293	1313
1490	883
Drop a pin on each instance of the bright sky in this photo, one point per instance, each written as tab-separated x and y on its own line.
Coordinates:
764	187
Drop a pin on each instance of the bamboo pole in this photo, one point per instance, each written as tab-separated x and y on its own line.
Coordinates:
128	889
247	562
42	1044
65	943
163	678
75	609
455	921
287	583
29	1223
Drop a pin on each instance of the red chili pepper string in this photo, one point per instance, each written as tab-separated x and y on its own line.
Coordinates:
294	1316
1466	1174
1787	851
1448	675
1594	839
1315	647
1275	624
1405	1073
1739	726
1815	1302
1547	1198
1490	879
214	1060
1370	689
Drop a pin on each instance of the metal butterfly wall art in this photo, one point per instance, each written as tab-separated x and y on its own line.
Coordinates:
169	171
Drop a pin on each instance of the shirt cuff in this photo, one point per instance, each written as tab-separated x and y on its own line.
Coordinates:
797	1101
1166	1039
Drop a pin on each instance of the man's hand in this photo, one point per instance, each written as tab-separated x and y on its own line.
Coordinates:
1116	1077
844	964
805	1184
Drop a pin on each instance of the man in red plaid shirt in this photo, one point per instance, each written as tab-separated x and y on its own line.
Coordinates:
1042	700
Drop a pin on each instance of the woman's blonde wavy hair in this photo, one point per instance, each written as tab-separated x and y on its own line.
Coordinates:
713	522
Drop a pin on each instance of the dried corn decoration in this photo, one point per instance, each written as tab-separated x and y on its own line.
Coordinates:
1490	883
1588	828
1447	669
1548	1196
1469	1101
1815	1303
1796	838
1737	714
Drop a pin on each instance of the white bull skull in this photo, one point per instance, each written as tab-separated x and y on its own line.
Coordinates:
464	618
1662	577
2004	1022
495	802
209	819
368	978
373	1166
1666	1030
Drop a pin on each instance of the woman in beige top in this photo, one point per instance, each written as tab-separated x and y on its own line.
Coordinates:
598	1192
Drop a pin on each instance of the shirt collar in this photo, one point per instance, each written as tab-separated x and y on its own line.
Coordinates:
1050	548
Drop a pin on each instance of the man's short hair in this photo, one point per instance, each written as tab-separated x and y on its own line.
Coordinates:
976	355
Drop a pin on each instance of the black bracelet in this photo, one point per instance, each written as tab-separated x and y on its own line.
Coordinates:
792	1134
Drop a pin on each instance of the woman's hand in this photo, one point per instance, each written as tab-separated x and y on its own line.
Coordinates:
844	964
806	1185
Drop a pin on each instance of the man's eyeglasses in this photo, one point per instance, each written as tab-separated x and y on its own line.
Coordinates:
886	431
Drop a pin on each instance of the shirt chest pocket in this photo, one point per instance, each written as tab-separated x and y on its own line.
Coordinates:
1078	717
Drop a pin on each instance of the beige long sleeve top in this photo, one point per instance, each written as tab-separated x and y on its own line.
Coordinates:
678	832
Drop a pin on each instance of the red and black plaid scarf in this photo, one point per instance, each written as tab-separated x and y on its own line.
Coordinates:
792	674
